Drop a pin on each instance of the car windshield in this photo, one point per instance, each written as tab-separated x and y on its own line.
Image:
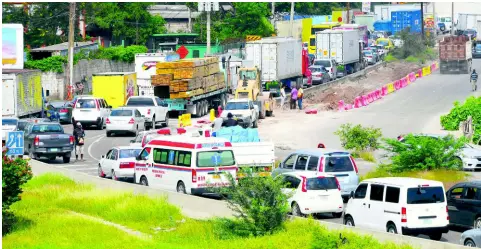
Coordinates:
86	103
237	106
21	125
312	42
324	63
140	102
338	164
9	122
215	158
478	46
129	153
321	183
45	128
424	195
121	113
248	75
367	53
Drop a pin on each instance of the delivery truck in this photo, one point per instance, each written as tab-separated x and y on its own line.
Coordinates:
455	55
344	46
21	93
115	87
145	67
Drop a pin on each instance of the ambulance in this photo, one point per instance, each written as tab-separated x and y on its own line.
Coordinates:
186	164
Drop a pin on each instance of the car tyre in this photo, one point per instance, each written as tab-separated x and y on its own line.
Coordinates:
349	221
114	176
100	125
108	133
295	210
32	155
166	123
337	215
477	223
144	181
100	172
391	228
181	188
153	123
66	159
436	236
469	243
254	124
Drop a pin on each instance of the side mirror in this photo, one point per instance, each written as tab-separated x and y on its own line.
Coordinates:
103	156
280	165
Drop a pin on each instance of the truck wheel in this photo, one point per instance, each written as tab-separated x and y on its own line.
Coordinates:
153	126
197	109
254	124
66	159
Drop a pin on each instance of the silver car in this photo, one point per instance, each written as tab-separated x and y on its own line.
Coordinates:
336	162
369	56
471	238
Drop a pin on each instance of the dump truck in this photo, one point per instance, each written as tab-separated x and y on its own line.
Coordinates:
21	93
455	55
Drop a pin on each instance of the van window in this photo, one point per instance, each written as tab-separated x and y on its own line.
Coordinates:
140	102
360	191
144	155
321	183
183	158
121	113
313	163
377	192
215	158
86	103
289	163
161	156
301	163
338	164
470	194
425	195
392	194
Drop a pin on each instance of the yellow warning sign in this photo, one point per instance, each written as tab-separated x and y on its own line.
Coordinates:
253	37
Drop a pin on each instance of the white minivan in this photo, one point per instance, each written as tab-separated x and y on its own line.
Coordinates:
91	111
403	205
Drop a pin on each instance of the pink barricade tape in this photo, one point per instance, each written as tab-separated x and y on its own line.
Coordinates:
369	98
384	91
358	102
420	73
378	94
364	100
404	82
373	94
433	67
397	85
412	77
348	107
341	105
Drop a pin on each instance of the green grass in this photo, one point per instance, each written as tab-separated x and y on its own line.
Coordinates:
390	58
46	219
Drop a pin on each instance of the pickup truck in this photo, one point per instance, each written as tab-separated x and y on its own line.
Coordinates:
258	157
244	111
153	108
45	139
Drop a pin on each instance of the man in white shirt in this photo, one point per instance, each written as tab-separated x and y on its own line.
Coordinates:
283	96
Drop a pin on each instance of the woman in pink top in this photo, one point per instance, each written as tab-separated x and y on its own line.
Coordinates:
293	97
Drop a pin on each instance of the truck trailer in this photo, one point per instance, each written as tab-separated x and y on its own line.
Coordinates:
115	87
455	55
21	93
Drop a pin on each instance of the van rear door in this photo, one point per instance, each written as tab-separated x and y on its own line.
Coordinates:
341	166
213	168
426	207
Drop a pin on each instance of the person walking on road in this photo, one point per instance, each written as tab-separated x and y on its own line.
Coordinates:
474	80
300	96
283	96
293	98
79	135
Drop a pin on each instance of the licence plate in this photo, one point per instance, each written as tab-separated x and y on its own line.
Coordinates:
53	149
216	176
264	174
428	221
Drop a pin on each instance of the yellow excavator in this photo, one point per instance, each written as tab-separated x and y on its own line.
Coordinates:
249	87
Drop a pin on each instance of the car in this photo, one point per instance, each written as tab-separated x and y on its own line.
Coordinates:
477	51
386	43
471	238
244	111
376	52
464	204
119	162
47	139
339	163
60	109
399	205
153	108
329	64
469	155
144	137
91	111
370	56
124	120
8	124
312	193
319	75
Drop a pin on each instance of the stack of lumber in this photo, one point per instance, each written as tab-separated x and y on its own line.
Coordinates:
189	77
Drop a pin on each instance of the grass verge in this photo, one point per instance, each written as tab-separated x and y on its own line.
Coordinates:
46	218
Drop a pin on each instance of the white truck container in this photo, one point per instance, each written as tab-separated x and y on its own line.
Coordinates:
277	58
145	67
21	92
467	21
478	29
383	11
341	45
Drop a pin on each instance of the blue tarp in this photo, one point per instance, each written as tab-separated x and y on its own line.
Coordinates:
238	134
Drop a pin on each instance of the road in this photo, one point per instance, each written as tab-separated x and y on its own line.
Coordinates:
414	109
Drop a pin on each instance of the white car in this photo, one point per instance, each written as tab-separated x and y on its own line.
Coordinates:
313	193
145	137
244	111
124	120
153	108
119	162
91	111
399	205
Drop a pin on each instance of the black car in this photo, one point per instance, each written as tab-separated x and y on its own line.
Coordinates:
464	204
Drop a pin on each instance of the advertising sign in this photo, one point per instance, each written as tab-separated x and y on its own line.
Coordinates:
12	46
366	7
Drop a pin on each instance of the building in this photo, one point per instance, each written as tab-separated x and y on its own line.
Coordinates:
61	49
176	16
159	43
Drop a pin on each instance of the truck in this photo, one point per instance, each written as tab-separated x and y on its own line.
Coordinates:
152	108
455	55
145	67
115	87
47	139
343	46
21	93
467	21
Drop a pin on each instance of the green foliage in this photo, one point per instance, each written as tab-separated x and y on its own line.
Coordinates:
460	112
367	156
49	64
15	173
259	204
414	48
424	153
119	53
359	138
390	58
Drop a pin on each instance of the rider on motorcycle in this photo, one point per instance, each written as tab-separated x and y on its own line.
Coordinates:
474	79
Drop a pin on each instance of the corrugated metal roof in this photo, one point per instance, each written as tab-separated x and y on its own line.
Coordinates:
16	71
62	46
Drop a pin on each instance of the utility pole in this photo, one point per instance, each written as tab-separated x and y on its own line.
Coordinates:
190	20
452	18
208	7
71	38
348	8
291	31
273	12
422	20
435	22
208	32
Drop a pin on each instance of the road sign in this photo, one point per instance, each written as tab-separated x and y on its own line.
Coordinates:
15	143
182	51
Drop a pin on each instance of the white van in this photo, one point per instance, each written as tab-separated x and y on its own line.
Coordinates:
407	206
91	111
186	164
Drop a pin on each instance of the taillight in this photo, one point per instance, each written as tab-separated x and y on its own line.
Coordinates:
63	110
71	140
369	56
194	176
127	165
447	213
304	184
321	165
36	141
107	121
354	164
131	121
97	104
404	217
148	111
338	185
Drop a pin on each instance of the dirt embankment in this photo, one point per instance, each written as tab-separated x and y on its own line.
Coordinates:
329	99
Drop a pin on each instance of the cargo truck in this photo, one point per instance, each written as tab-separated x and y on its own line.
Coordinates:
21	93
455	55
145	67
343	46
115	87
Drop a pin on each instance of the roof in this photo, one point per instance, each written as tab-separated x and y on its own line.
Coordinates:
187	141
127	147
320	152
112	73
16	71
62	46
403	181
307	174
175	34
172	11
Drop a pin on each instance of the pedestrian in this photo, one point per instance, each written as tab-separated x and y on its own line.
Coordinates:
283	96
219	111
79	135
300	96
230	120
474	80
293	98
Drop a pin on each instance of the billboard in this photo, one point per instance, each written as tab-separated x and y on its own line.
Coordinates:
12	46
366	7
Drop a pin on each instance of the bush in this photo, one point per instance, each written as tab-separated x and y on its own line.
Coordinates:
460	112
258	203
390	58
15	173
424	153
359	138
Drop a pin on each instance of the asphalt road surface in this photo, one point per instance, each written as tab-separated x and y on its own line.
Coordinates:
414	109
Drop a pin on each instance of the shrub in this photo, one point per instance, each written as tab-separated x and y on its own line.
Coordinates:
258	203
50	64
460	112
359	138
390	58
15	173
424	153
